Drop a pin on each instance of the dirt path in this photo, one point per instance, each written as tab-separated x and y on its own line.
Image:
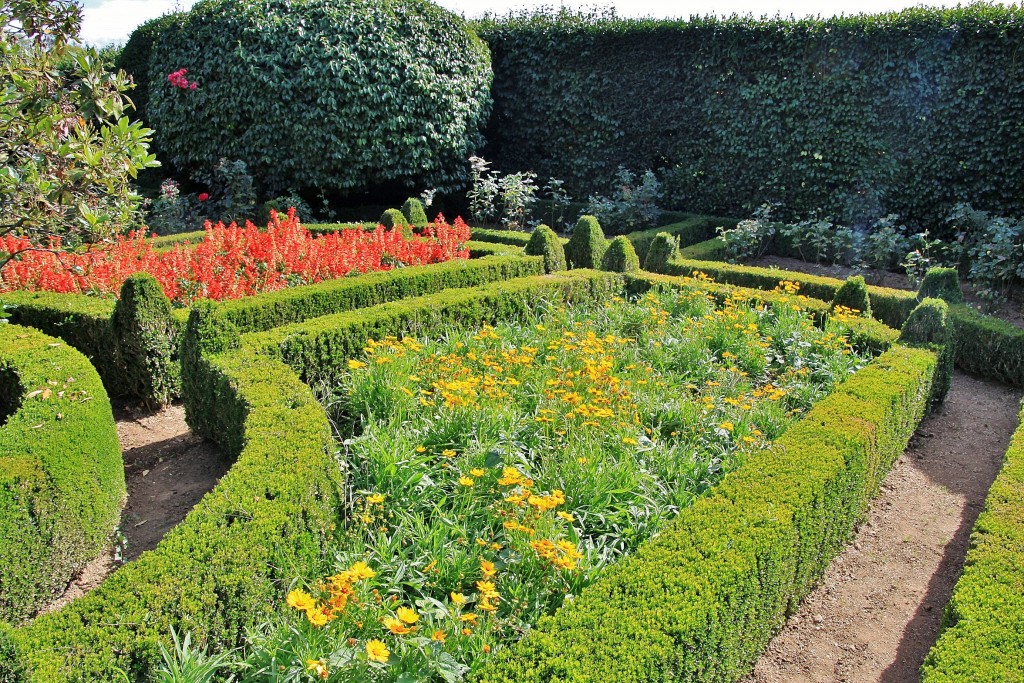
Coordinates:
167	470
877	612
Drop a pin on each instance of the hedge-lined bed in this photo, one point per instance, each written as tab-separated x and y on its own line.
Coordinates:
700	602
61	475
983	636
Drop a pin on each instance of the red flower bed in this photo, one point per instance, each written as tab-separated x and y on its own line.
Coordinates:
230	262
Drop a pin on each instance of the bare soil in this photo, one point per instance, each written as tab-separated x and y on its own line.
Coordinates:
167	470
877	611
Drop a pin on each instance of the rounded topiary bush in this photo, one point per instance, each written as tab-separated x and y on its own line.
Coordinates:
928	325
544	242
144	333
663	249
941	283
337	95
621	257
587	244
392	218
414	212
853	294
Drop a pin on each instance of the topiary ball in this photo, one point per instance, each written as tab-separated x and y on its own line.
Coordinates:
343	96
544	242
853	294
941	283
663	249
621	257
587	244
928	326
414	212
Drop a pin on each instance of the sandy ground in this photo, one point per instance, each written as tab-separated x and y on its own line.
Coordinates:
877	611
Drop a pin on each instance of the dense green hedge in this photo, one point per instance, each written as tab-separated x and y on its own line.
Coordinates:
303	95
691	230
319	347
983	627
219	571
988	346
61	475
852	116
700	602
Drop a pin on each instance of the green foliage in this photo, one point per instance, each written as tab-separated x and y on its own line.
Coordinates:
134	59
983	627
61	474
544	242
281	205
632	206
750	239
69	151
689	229
404	108
516	239
708	250
620	257
663	249
941	283
173	213
587	244
929	327
988	346
393	218
701	601
853	294
146	348
902	110
821	241
414	212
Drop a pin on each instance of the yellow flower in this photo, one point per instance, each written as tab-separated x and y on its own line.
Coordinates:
375	498
566	516
395	626
448	453
469	617
439	636
317	617
377	651
458	598
628	440
477	472
727	426
317	668
466	481
360	570
300	600
421	449
356	365
408	615
487	568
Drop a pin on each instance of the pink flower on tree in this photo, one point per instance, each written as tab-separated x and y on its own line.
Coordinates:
178	80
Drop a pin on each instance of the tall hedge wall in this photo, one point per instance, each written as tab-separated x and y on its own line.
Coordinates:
906	112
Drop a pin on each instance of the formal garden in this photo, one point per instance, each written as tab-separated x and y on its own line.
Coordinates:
548	347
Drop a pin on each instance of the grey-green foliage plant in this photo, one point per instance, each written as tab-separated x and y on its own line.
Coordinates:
996	251
544	242
751	238
173	213
414	212
927	253
518	193
632	204
339	95
822	241
587	244
483	190
663	249
234	191
620	257
559	202
186	663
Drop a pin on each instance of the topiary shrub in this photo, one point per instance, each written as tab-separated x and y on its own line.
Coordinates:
544	242
941	283
853	294
403	108
414	212
393	218
620	257
929	327
587	244
663	249
144	335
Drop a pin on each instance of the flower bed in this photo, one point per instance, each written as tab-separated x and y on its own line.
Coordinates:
498	471
232	261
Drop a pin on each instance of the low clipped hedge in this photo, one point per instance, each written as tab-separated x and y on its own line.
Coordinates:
61	475
691	230
983	626
701	601
988	346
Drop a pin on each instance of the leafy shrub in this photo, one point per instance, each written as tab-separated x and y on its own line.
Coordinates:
620	257
258	57
821	241
663	249
281	205
885	246
853	294
941	283
544	242
414	212
145	336
393	218
633	204
929	327
997	258
750	239
587	244
173	214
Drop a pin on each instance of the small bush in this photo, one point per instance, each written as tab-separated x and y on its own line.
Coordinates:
544	242
620	257
750	239
281	205
414	212
587	244
941	283
929	327
633	204
663	249
853	294
393	218
145	333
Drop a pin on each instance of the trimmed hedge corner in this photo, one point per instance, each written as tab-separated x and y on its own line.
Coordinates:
853	294
928	327
61	474
620	257
983	627
941	283
700	602
146	337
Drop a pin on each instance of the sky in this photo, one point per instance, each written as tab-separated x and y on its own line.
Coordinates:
112	21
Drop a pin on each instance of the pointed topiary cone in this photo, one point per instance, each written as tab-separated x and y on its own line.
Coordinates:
544	242
587	244
621	257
